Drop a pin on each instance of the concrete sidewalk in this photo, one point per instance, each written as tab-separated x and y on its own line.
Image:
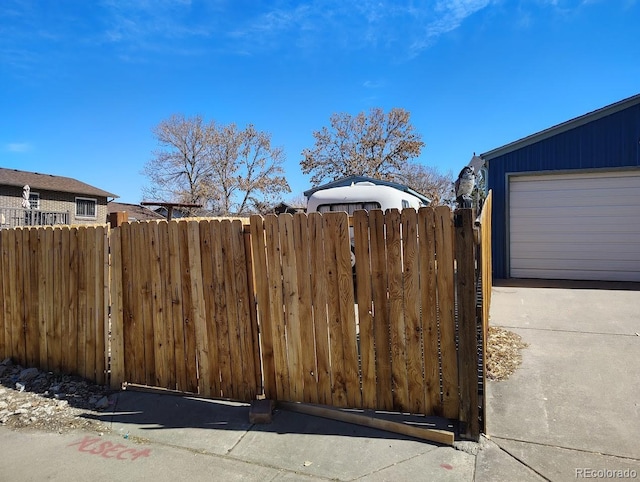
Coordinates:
167	437
574	404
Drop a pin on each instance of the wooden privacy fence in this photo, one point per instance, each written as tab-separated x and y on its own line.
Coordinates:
54	298
228	310
182	308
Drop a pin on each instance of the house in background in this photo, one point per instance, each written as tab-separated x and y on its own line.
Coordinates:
52	200
135	212
566	200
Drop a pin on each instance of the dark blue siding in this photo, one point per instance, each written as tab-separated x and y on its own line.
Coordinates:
610	142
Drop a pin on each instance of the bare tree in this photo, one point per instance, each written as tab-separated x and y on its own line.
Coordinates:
374	144
429	181
180	169
247	168
227	170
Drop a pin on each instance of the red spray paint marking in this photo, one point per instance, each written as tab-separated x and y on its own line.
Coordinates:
109	450
446	466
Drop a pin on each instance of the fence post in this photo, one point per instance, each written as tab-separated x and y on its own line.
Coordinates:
467	334
117	218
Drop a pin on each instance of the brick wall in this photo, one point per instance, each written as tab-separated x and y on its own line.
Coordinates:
11	197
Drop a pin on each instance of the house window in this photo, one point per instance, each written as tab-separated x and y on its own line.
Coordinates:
34	200
86	208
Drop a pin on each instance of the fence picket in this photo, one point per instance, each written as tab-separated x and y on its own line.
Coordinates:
305	309
166	334
319	302
446	305
102	241
212	382
160	347
221	313
413	326
42	253
365	303
396	311
248	383
90	315
177	306
117	312
347	311
467	334
31	326
72	289
261	276
144	289
382	334
278	333
187	308
291	306
128	320
63	298
82	316
198	309
336	349
4	297
233	322
428	297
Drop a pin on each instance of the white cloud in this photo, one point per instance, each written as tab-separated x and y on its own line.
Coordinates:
18	147
373	84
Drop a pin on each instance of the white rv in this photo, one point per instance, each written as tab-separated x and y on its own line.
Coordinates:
363	195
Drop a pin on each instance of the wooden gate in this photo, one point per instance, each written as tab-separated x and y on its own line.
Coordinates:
181	313
410	342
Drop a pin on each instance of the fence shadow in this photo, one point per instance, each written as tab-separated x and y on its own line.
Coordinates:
149	413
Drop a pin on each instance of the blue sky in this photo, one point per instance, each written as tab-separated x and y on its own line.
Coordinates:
82	83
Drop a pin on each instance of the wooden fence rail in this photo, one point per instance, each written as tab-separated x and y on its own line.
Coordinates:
275	307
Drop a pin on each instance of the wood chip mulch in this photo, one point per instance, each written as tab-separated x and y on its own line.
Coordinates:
503	353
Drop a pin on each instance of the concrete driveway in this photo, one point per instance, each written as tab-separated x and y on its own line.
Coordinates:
573	407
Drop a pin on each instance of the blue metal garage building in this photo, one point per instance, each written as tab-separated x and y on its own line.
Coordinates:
566	200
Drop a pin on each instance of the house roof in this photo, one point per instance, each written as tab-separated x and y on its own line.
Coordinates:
49	182
560	128
348	180
135	211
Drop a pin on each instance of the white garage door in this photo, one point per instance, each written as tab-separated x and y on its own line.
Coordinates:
575	226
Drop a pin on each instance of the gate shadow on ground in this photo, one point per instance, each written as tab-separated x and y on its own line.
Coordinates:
153	412
567	284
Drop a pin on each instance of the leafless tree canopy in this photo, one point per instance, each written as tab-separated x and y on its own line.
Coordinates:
375	145
429	181
226	169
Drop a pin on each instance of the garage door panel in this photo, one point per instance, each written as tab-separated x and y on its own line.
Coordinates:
581	274
526	222
569	212
575	226
579	251
576	264
580	199
563	182
568	240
